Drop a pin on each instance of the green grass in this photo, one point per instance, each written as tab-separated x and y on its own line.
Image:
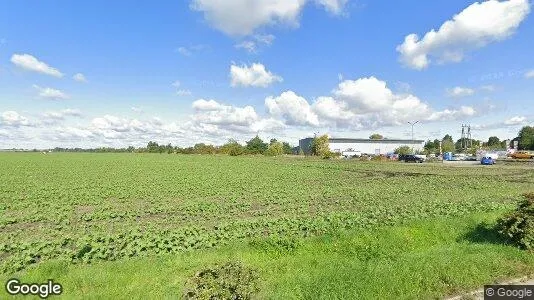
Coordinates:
344	228
423	259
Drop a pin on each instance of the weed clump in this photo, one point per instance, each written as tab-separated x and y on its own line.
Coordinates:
232	280
518	226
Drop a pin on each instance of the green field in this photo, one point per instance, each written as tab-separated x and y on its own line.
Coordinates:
109	225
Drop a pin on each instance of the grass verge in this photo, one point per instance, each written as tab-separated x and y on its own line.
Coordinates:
423	259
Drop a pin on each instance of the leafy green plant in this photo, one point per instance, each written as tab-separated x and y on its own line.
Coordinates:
232	280
84	208
518	226
276	245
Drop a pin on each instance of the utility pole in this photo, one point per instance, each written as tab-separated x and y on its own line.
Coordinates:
413	123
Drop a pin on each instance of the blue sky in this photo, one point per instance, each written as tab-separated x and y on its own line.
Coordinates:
120	73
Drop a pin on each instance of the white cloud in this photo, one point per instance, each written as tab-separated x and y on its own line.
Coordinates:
255	75
190	50
137	109
476	26
31	63
206	105
111	127
453	114
364	103
70	133
370	103
216	119
14	119
332	110
459	91
529	74
79	77
517	120
252	45
183	93
184	51
224	114
488	88
62	114
50	93
243	17
333	6
266	39
293	108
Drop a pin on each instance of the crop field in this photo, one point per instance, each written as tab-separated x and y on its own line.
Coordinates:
90	209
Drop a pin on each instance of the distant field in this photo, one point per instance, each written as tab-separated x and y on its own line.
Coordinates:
79	208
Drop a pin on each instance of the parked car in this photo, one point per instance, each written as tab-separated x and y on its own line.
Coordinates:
413	158
487	160
522	155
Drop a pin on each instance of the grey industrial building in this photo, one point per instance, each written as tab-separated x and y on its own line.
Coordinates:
364	146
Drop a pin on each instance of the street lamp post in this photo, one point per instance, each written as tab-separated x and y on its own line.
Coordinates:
413	123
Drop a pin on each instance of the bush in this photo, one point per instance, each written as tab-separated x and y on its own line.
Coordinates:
518	226
275	149
330	154
230	281
403	150
379	158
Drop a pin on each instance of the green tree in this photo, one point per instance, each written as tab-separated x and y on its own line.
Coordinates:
320	146
202	148
447	137
169	148
275	149
376	136
447	146
432	146
232	148
256	146
526	138
403	150
152	147
493	141
287	148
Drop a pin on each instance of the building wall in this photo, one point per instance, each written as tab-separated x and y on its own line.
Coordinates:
364	146
373	148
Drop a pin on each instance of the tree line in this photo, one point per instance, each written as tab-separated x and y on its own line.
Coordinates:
255	146
525	139
319	146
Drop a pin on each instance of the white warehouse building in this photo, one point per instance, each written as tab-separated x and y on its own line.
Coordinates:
363	146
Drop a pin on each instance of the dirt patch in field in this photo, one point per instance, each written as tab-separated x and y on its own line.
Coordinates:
83	209
26	226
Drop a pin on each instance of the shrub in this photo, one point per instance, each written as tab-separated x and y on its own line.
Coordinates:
379	158
330	154
403	150
276	245
518	226
230	281
275	149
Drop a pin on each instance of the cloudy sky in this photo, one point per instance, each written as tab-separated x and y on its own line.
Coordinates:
119	73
